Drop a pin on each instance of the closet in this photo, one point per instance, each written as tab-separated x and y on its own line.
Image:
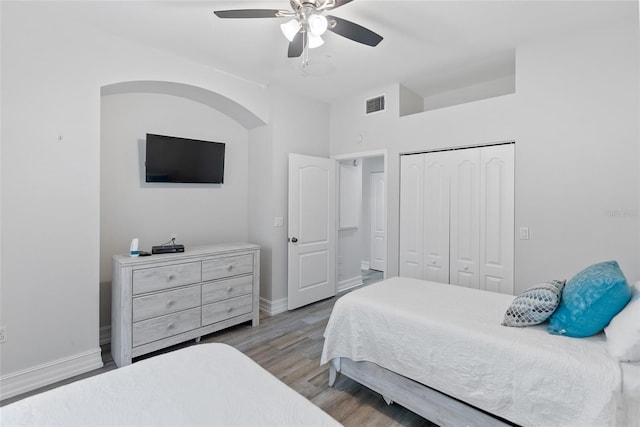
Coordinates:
457	217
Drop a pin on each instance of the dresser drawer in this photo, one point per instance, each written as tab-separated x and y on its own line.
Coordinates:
216	312
227	288
159	278
154	305
219	268
165	326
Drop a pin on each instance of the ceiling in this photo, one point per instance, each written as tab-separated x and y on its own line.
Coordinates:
429	46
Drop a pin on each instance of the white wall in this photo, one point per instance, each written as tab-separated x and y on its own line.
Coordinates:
53	67
129	207
297	125
579	154
302	128
261	204
499	86
574	120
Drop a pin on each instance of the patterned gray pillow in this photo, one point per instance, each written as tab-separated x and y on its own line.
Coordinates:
535	305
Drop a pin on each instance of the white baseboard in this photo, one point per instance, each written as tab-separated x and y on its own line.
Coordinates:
347	284
273	307
48	373
364	265
105	334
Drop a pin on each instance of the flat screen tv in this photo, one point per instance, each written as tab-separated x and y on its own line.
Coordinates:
173	159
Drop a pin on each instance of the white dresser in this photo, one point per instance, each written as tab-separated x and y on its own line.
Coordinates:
161	300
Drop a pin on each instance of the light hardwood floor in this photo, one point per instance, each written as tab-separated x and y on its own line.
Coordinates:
289	346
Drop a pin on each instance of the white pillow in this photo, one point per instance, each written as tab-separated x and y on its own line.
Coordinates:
623	332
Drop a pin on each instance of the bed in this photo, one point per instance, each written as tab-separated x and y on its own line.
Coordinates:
206	384
440	351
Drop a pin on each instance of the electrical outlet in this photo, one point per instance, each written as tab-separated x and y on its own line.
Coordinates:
3	334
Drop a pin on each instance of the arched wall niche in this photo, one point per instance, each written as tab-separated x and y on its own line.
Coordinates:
210	213
221	103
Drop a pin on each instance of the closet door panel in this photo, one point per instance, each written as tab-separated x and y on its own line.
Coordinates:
464	229
497	218
436	217
457	217
411	215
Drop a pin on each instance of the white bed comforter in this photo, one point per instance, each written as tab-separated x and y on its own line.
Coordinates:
450	338
202	385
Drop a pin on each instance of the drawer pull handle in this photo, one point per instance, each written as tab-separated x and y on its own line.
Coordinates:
229	267
228	309
229	288
171	277
170	303
170	326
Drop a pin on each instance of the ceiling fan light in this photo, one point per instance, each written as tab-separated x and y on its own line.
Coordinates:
290	29
315	41
317	24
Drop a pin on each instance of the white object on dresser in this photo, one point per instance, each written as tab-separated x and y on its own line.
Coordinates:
165	299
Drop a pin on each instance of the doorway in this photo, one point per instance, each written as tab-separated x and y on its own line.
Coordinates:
362	207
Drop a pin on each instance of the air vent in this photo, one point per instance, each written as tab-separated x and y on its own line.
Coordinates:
374	105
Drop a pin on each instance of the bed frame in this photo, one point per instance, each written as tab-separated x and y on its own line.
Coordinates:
431	404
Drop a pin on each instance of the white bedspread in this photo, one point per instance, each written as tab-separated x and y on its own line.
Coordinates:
207	384
450	338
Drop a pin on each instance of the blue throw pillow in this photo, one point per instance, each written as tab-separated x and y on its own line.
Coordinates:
590	300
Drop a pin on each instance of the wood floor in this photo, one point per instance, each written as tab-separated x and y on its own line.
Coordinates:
289	346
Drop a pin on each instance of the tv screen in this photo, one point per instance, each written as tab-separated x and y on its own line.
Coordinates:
173	159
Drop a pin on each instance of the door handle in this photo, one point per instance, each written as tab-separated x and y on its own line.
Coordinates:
294	239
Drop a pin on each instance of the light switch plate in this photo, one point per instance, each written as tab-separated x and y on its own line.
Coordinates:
524	233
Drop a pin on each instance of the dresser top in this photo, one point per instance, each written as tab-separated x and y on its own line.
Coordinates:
189	252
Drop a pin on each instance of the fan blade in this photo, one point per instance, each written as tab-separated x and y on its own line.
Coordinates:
338	3
297	45
249	13
354	31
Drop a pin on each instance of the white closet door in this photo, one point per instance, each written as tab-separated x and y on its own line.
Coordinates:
465	222
497	218
436	217
411	215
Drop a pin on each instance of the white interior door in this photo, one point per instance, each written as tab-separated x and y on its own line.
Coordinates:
465	233
436	216
497	194
378	247
411	215
312	229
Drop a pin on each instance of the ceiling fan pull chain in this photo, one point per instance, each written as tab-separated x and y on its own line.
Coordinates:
305	50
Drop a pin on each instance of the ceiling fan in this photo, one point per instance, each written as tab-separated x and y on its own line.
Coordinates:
308	24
